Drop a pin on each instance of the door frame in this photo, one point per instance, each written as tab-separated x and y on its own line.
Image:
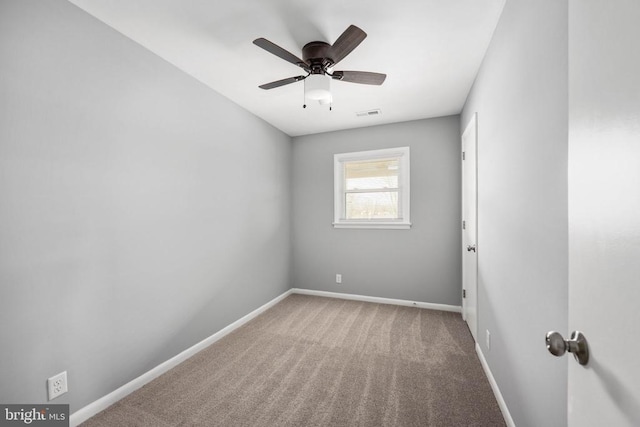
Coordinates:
470	301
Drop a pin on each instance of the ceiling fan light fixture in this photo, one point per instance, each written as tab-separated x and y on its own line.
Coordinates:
318	60
317	87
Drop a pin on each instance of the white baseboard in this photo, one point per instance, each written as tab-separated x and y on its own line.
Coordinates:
103	403
496	391
431	306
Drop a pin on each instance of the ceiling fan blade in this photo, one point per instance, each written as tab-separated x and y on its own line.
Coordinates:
280	52
347	41
362	77
282	82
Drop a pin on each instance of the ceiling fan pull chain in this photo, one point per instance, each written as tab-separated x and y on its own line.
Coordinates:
304	91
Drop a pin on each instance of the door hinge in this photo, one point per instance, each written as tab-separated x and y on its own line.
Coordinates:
463	155
464	225
464	293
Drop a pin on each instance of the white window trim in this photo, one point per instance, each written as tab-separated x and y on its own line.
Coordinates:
401	153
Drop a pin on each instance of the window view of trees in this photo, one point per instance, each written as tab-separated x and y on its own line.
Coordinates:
371	189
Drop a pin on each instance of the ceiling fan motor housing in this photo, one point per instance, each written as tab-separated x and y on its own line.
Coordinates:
317	55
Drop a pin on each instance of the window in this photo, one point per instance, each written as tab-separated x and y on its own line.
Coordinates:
372	189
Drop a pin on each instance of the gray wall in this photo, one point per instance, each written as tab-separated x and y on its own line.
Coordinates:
140	211
521	96
420	264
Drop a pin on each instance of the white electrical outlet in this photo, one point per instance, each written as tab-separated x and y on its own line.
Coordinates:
57	385
338	278
488	339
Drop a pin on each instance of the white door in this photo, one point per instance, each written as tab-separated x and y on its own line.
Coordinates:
604	210
469	233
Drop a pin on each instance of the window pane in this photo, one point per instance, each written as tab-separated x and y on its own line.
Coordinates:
372	174
379	205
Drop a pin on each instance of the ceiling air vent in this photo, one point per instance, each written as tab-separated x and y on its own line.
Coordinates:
368	113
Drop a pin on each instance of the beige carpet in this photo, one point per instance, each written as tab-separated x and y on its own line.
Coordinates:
312	361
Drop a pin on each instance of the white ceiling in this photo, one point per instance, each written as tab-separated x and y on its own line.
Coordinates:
430	50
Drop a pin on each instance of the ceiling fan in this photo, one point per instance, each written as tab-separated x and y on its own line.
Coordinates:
318	59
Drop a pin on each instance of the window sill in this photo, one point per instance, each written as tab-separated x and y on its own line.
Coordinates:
374	225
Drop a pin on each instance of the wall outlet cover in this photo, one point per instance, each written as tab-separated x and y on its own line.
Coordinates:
57	385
